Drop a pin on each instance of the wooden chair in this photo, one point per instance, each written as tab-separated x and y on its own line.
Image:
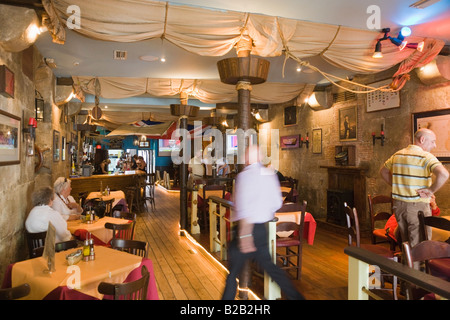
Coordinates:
132	200
124	215
204	205
37	252
135	247
121	231
15	292
135	290
432	221
294	240
354	239
426	251
380	233
35	240
66	245
149	191
103	208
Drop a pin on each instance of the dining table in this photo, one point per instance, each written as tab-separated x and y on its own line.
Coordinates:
118	196
310	225
97	229
78	281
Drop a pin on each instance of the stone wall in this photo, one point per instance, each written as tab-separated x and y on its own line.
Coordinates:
17	182
302	164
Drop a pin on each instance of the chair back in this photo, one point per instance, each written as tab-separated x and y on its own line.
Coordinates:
432	221
66	245
103	208
124	215
135	290
292	226
423	251
354	237
121	231
213	187
135	247
35	240
15	292
380	215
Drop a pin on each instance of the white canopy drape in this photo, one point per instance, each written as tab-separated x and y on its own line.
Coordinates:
215	32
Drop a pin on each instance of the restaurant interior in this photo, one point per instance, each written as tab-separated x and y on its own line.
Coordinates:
329	90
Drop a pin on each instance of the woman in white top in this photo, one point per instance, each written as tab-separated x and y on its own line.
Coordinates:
64	203
42	214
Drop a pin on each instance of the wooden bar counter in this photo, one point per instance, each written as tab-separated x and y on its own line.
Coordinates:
113	181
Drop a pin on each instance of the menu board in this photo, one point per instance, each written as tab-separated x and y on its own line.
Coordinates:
381	100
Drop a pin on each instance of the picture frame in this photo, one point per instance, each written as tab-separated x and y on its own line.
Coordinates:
290	116
10	139
6	82
63	148
317	141
439	122
290	142
379	100
56	150
144	144
348	123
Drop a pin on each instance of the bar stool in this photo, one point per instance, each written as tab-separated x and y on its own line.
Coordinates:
150	186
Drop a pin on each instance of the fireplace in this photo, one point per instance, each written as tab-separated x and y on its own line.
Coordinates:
345	184
335	205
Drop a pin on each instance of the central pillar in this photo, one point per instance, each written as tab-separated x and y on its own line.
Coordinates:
184	111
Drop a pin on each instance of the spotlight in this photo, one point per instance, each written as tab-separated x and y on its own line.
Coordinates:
378	54
405	31
417	46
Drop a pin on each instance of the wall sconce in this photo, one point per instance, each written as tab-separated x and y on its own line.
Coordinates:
381	137
307	140
29	135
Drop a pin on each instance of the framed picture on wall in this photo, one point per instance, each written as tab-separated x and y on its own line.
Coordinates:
6	82
10	139
290	116
348	123
439	122
56	145
317	141
289	142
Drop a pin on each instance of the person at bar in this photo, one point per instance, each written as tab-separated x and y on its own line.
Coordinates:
257	198
64	203
43	213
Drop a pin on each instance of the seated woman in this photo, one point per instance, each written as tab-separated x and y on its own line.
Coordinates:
42	214
64	203
223	169
391	226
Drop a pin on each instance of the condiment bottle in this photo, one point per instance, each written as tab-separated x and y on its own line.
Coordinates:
86	250
91	247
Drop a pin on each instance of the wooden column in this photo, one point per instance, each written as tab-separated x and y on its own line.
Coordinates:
184	111
244	71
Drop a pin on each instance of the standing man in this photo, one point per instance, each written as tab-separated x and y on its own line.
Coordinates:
257	198
409	171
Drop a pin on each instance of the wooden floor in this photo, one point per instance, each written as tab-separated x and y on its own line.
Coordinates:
183	273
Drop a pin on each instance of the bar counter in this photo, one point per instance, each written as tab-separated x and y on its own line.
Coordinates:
95	182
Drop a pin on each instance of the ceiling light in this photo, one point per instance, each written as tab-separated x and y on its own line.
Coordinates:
299	68
405	31
417	46
377	53
106	107
163	59
148	58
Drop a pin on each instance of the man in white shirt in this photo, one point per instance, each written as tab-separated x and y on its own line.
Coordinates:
257	198
42	213
64	203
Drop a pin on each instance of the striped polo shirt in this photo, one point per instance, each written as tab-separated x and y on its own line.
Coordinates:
411	169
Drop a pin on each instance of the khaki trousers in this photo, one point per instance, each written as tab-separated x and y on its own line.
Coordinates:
407	215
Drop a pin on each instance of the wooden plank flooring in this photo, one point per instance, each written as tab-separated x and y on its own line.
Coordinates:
182	274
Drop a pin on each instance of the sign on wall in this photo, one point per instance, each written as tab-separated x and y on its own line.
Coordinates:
380	100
